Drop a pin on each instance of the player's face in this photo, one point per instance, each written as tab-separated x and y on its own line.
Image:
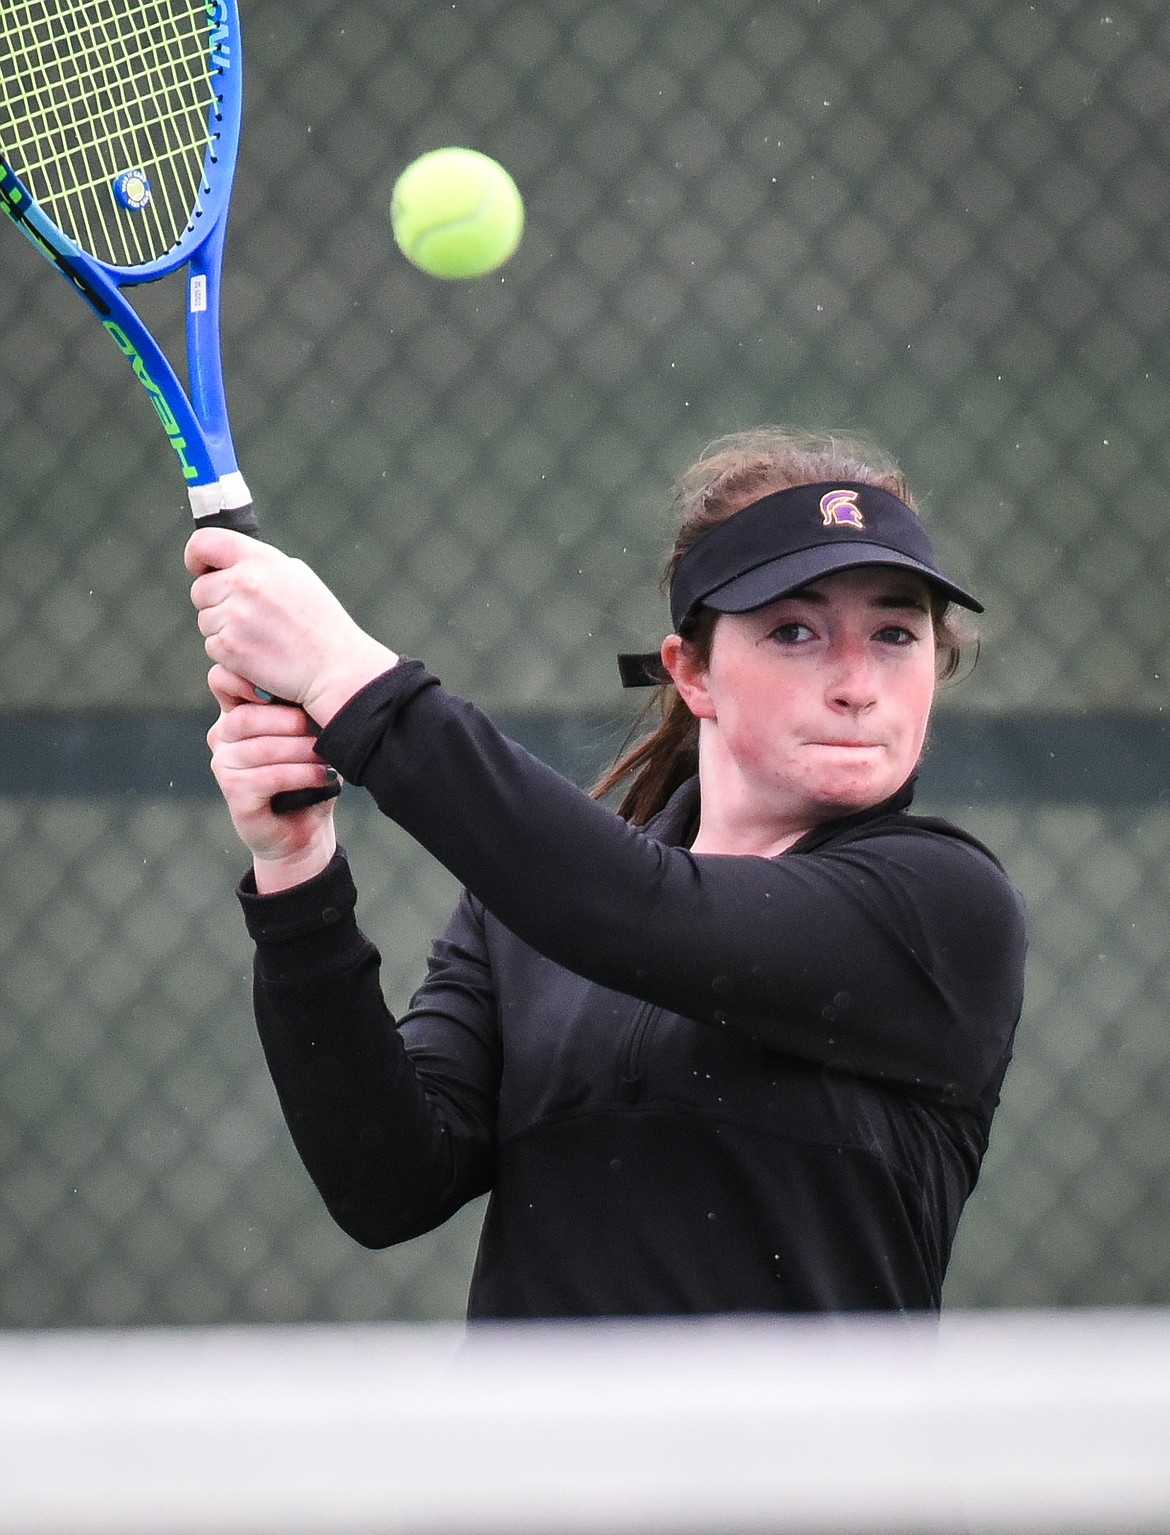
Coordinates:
817	705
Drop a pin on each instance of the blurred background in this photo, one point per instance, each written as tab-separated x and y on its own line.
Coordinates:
942	225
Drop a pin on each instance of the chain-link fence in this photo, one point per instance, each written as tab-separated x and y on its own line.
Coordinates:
942	224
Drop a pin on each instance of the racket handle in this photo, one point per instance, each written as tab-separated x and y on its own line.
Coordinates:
242	519
290	800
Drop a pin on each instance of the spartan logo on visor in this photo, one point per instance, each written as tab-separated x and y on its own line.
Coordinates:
839	509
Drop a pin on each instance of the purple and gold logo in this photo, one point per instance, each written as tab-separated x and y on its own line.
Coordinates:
839	509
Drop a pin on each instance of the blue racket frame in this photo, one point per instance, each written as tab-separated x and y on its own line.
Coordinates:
195	422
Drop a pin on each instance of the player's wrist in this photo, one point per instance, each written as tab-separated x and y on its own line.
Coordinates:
334	688
285	871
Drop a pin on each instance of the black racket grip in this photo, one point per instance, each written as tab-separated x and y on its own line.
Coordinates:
242	519
290	800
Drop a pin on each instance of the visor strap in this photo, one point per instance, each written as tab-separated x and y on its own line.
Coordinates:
644	670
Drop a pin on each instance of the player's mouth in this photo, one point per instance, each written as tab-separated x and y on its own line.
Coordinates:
850	745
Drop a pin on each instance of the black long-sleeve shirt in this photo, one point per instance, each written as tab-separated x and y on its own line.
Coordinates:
690	1083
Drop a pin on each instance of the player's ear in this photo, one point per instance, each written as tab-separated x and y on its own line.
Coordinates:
689	674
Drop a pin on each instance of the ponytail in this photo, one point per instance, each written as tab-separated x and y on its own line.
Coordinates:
660	762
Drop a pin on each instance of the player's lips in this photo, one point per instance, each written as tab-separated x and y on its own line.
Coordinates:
850	745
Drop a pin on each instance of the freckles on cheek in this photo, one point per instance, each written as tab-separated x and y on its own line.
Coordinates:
764	745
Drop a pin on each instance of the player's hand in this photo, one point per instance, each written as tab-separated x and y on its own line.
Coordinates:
270	618
259	749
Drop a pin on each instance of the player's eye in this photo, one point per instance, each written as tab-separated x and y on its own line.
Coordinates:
897	634
792	633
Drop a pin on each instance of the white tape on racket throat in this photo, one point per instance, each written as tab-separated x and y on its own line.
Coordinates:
225	495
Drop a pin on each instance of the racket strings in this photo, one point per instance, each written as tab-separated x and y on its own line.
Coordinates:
94	89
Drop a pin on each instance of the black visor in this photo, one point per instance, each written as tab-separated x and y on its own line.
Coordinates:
786	540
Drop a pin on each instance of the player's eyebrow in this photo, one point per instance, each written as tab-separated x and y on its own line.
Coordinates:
904	600
901	599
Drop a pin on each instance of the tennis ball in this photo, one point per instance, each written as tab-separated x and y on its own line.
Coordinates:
456	213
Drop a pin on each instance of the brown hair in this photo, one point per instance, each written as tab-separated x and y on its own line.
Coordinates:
730	474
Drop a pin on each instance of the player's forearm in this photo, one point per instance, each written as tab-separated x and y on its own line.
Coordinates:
377	1149
392	1154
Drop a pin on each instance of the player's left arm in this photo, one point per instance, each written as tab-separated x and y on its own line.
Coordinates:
901	957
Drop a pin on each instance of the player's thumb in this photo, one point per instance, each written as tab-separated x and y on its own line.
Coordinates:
215	549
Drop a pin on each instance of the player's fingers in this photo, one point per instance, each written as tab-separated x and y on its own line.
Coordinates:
229	689
277	724
260	766
249	794
209	592
262	754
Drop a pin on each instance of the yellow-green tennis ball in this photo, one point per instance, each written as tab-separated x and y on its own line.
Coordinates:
456	213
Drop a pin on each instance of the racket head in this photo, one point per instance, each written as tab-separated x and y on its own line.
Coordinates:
119	132
121	119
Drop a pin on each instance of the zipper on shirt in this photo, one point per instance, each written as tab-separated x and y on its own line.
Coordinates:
630	1075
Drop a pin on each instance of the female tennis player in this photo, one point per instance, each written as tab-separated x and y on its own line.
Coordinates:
733	1048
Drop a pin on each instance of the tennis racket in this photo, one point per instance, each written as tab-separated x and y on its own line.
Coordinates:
119	130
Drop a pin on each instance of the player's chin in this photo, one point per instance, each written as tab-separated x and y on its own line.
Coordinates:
857	783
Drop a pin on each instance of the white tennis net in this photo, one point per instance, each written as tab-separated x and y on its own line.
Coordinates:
1025	1422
